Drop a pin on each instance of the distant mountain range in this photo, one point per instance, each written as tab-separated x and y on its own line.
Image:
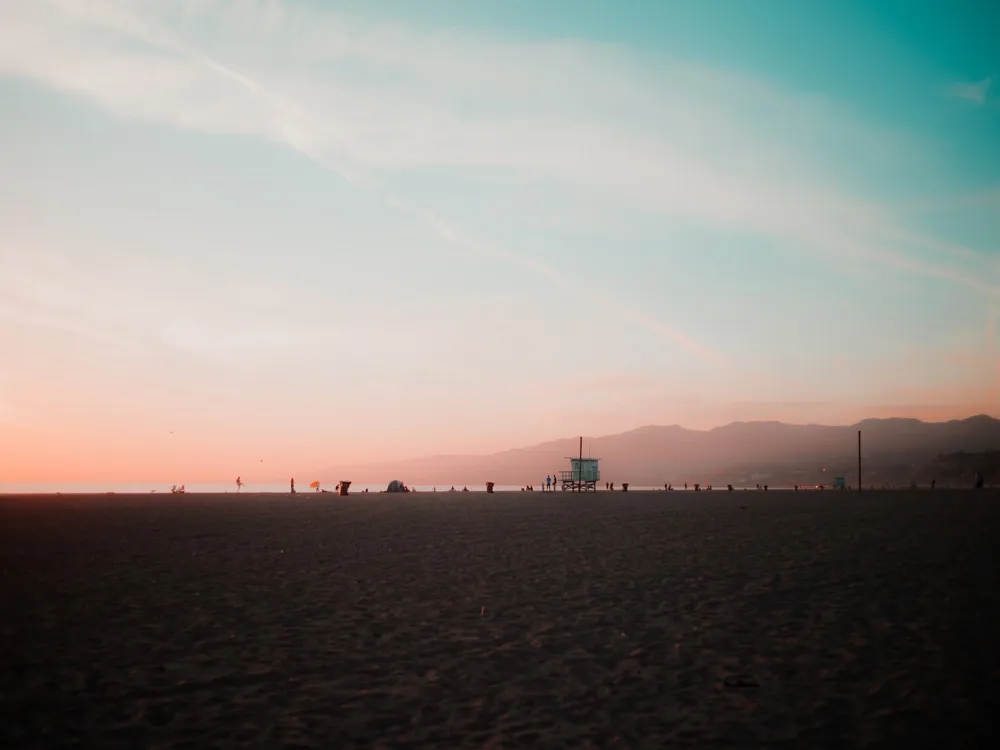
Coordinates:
739	453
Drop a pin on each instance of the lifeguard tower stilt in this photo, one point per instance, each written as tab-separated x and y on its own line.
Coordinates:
584	473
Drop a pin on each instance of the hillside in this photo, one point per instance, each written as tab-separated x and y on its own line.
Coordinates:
740	452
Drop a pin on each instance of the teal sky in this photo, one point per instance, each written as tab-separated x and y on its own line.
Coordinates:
313	232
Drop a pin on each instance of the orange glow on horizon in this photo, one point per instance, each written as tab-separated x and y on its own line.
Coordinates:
121	454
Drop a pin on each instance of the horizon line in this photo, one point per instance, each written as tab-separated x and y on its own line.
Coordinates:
425	457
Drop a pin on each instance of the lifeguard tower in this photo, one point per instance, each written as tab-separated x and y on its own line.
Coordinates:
583	475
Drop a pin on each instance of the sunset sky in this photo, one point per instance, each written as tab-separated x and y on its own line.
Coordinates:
258	237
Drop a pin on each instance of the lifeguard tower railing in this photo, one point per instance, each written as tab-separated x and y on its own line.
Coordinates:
584	474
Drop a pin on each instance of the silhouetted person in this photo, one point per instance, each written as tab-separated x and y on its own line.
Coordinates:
293	485
729	487
239	485
765	488
685	485
548	483
979	481
933	483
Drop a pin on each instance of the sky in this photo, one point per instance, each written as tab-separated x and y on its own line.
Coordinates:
258	237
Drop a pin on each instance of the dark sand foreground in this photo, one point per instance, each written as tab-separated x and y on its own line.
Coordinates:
805	620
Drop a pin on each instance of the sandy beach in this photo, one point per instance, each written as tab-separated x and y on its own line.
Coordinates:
716	619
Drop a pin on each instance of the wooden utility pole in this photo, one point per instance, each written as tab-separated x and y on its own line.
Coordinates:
579	486
859	460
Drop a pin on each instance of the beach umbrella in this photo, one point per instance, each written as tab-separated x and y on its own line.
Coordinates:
314	484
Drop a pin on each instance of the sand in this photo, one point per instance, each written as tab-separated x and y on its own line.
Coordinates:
512	620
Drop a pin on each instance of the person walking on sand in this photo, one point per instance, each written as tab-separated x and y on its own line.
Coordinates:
239	485
293	485
548	483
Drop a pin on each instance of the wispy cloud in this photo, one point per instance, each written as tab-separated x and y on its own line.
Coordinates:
993	347
45	291
561	279
373	102
976	92
7	411
40	289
